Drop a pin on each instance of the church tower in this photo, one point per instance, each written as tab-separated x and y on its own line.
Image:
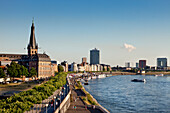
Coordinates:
32	46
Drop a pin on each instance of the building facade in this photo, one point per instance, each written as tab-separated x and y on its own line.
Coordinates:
94	56
161	62
41	62
65	64
84	60
142	64
127	64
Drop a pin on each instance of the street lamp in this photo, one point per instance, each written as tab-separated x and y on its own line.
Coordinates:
67	88
46	107
64	92
54	102
60	96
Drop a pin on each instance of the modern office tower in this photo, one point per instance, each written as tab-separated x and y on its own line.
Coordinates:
94	56
137	65
161	62
84	60
127	64
142	63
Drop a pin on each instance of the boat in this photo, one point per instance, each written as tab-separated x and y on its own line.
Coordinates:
137	80
101	76
159	75
86	83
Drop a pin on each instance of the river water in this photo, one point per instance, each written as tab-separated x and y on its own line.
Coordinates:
119	95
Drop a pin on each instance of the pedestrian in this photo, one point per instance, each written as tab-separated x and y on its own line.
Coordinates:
93	106
75	107
52	102
86	107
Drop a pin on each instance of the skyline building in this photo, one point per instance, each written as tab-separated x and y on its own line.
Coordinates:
142	64
137	65
94	56
161	62
84	60
127	64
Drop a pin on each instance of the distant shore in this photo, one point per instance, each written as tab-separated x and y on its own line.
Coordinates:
155	73
130	73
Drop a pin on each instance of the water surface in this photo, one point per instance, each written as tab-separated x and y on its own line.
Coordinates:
119	95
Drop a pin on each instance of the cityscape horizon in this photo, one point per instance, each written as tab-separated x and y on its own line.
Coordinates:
122	34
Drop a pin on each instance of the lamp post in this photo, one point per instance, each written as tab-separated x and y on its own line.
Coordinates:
64	92
46	107
54	102
60	96
67	88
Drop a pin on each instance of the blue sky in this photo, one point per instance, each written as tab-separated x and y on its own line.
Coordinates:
69	29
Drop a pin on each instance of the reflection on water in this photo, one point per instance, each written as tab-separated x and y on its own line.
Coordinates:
119	95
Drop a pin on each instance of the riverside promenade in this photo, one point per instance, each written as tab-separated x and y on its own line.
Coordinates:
81	107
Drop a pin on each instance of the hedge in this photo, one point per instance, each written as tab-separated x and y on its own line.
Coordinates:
23	101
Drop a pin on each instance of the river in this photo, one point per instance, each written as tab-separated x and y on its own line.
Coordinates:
119	95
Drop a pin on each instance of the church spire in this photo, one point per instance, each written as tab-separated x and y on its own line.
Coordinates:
32	46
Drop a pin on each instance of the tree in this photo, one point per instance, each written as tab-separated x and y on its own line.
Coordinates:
60	68
13	69
104	69
16	70
2	73
33	72
24	71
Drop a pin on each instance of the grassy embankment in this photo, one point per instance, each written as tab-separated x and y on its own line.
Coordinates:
88	99
23	101
18	86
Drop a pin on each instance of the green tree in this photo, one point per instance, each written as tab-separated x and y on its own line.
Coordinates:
33	72
24	71
60	68
13	70
104	69
16	70
108	69
2	73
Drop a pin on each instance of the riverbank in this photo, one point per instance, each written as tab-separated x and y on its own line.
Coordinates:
157	73
89	100
130	73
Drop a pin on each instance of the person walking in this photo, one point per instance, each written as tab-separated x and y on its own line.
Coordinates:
86	107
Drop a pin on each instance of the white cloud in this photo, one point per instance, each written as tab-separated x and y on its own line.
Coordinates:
129	47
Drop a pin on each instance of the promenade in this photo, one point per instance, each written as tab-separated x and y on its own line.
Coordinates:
80	105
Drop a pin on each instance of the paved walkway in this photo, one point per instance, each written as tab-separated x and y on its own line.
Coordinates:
80	106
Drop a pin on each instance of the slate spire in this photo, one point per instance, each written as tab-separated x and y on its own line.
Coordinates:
32	44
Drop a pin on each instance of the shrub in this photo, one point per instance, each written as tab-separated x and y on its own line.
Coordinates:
23	101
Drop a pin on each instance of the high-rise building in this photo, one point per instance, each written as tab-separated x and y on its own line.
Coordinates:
142	64
161	62
84	60
127	64
94	56
137	65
